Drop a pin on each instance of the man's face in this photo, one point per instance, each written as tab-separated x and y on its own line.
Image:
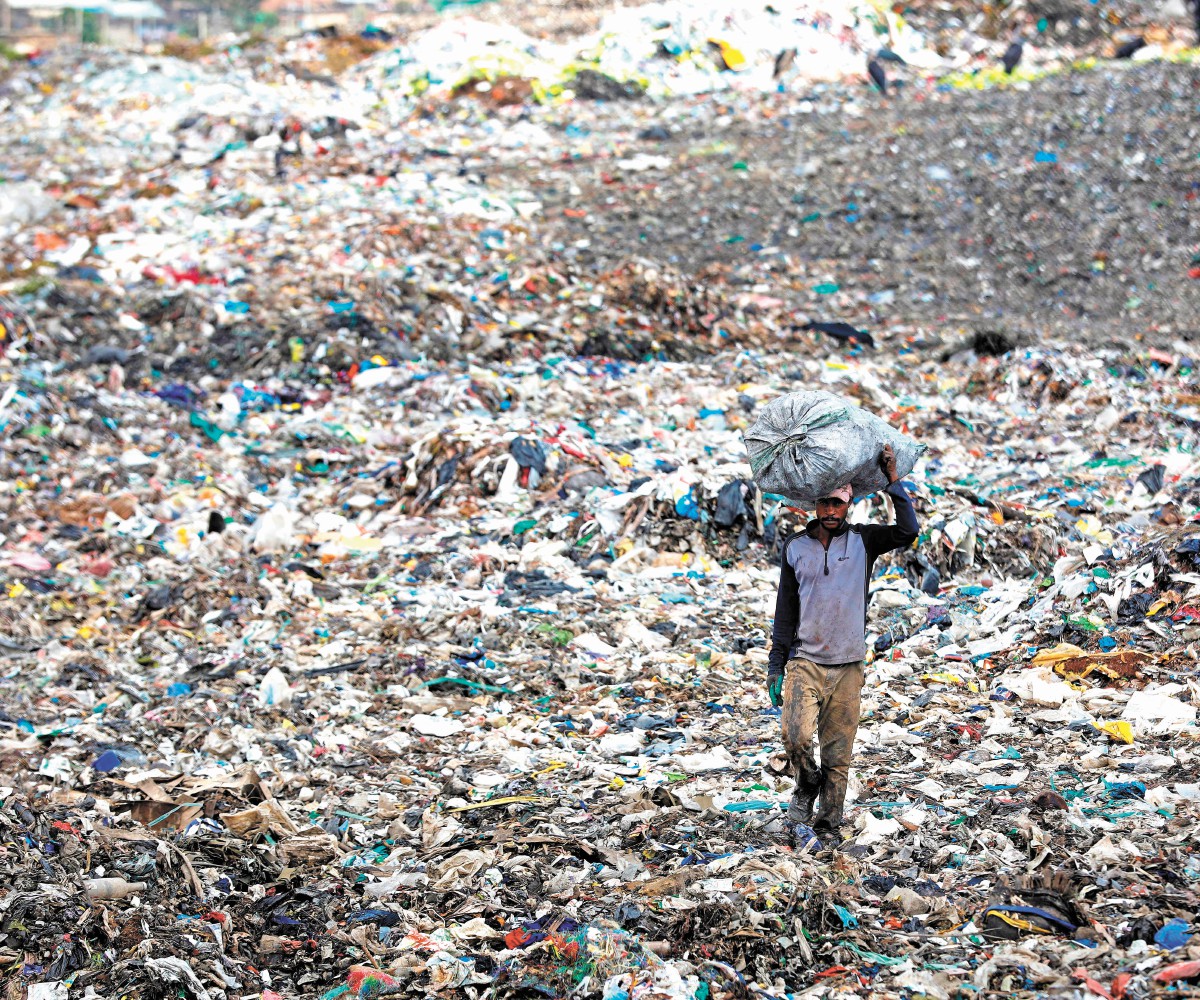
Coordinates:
831	512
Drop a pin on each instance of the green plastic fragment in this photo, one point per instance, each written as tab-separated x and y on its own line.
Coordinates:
473	686
872	957
211	430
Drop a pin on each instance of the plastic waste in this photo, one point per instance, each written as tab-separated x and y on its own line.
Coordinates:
1174	934
264	362
1159	708
107	761
23	203
1177	972
274	530
274	691
806	444
875	831
112	888
433	725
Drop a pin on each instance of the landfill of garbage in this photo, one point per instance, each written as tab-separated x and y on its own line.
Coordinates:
387	586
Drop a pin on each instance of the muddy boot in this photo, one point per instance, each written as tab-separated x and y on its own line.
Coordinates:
800	809
828	834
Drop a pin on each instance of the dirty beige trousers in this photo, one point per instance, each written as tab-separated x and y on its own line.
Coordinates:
821	702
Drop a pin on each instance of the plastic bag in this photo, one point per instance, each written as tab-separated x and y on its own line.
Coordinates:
806	444
731	504
275	530
274	691
529	455
23	204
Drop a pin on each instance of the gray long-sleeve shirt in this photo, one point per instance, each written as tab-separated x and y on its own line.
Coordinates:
821	609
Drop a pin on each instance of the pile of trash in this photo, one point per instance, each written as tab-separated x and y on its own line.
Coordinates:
450	678
387	587
668	48
533	229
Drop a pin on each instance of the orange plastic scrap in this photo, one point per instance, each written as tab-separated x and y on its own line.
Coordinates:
1180	970
48	241
843	970
81	201
1083	975
564	946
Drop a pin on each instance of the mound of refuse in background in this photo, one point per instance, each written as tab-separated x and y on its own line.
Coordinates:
669	48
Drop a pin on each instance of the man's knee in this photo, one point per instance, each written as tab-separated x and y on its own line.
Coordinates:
838	748
797	742
836	773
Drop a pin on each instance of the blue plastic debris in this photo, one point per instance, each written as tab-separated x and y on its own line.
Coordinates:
1173	934
110	760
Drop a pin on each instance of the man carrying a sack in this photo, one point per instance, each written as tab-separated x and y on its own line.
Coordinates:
818	643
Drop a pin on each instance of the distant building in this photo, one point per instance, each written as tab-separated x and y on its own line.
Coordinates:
308	15
41	24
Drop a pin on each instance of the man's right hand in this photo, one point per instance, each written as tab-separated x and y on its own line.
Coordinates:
775	689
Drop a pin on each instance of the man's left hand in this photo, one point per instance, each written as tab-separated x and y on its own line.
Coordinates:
887	463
